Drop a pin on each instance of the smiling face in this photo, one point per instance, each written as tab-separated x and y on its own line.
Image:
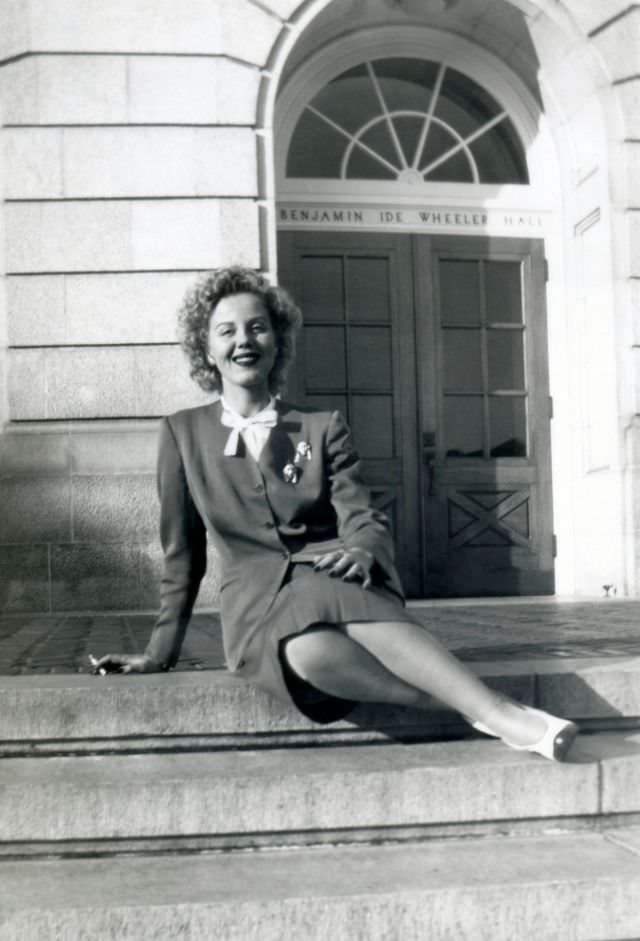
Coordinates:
242	343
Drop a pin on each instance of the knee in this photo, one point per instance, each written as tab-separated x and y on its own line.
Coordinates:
311	654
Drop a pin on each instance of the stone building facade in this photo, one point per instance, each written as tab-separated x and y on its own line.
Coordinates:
147	141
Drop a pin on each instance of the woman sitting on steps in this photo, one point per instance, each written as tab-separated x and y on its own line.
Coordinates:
312	607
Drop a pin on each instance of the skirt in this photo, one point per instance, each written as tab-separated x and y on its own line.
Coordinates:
308	598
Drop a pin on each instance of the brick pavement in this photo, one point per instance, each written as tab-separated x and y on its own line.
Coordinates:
477	630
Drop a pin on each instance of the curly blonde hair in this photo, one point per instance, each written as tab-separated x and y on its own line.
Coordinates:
197	309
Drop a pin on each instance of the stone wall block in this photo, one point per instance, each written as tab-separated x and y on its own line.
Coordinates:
195	234
36	313
95	577
164	90
159	161
33	163
114	508
635	313
35	509
28	453
573	77
142	235
66	90
59	310
617	44
90	383
549	41
73	236
101	382
24	579
240	224
163	384
629	97
633	216
590	16
125	308
15	34
26	384
19	92
585	129
235	27
94	90
102	451
632	170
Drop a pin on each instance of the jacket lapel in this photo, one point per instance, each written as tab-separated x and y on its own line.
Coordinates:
281	444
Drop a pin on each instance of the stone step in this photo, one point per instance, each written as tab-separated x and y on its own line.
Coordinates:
283	792
53	713
582	886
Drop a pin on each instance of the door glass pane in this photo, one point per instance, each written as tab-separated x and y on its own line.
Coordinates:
372	425
503	291
378	138
462	360
506	359
463	426
507	426
316	149
456	167
368	288
362	166
370	358
459	291
349	99
322	294
407	84
499	155
324	358
329	403
409	131
464	104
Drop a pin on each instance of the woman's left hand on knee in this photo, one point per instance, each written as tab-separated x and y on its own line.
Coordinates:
349	564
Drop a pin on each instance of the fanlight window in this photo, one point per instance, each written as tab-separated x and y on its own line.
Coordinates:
407	120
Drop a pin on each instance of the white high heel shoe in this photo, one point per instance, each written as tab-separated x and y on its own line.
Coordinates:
554	744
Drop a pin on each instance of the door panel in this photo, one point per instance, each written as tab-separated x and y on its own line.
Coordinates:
485	416
356	354
434	348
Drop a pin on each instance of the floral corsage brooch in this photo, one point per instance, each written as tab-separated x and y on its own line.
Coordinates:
292	472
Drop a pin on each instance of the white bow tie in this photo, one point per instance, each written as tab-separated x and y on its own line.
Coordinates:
260	422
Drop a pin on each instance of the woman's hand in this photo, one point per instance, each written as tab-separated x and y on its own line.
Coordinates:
124	663
349	564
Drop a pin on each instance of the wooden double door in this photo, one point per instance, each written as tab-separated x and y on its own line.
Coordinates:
434	348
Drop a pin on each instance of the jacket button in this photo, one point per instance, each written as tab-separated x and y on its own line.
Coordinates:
269	524
259	488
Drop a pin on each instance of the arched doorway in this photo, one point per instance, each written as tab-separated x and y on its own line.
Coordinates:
401	182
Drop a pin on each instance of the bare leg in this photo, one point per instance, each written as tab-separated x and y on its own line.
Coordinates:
411	653
401	663
334	663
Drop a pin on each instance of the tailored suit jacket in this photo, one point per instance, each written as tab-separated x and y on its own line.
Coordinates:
257	521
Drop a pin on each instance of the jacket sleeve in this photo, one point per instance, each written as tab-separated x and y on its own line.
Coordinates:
183	538
359	524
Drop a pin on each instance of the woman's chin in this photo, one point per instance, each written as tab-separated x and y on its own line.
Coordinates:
248	379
